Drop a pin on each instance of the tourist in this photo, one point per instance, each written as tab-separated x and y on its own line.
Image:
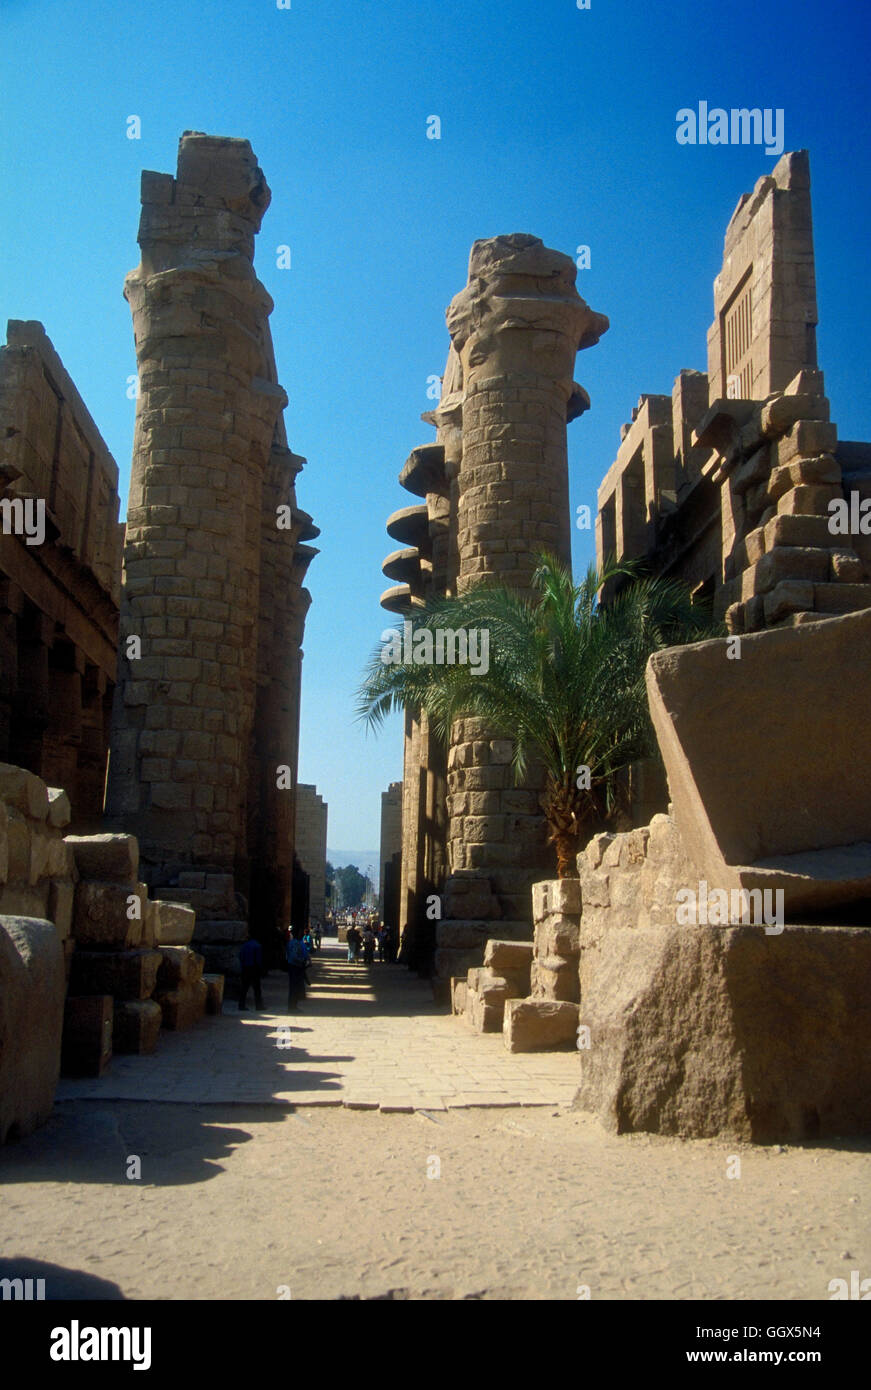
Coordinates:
368	945
354	942
251	967
383	944
297	964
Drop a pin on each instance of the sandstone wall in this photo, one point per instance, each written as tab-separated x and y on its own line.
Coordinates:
58	598
311	846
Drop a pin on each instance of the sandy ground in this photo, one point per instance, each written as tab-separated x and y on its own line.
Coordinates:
238	1201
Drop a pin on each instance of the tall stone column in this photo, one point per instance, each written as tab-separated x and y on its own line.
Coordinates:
205	426
516	329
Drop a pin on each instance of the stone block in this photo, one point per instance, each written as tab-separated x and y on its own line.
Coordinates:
179	965
23	790
108	858
17	848
513	956
32	988
737	815
539	1025
458	994
448	962
558	936
174	925
61	893
484	1015
220	960
787	597
217	931
556	895
215	996
123	974
136	1026
59	812
184	1006
100	915
87	1035
555	977
728	1032
24	900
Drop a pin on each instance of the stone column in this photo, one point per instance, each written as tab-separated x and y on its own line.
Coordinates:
515	328
205	421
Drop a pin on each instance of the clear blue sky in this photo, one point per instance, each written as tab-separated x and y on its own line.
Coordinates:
555	121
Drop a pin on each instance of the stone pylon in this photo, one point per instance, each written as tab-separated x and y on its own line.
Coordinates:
516	329
205	727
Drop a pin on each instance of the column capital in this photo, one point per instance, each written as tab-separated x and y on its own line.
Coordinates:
520	313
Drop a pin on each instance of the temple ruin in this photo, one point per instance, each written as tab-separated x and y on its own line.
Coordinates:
726	484
495	490
60	575
206	719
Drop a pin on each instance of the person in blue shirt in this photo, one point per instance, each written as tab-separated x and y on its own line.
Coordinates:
251	966
297	964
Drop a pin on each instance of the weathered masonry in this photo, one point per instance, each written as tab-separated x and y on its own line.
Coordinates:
60	568
727	483
206	719
495	493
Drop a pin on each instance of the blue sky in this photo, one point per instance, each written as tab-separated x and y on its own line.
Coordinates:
555	120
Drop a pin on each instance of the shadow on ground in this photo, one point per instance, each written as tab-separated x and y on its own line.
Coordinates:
60	1283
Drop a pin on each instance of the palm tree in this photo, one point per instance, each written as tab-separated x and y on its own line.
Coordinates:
565	680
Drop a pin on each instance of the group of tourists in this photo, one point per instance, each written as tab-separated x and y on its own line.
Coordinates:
297	949
367	938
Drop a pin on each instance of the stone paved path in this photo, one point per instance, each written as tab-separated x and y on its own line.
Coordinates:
366	1038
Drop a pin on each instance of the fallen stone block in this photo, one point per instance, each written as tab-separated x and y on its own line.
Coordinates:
127	975
536	1025
137	1025
183	1007
502	956
87	1035
173	924
23	790
107	858
708	1031
216	931
179	965
102	915
484	1016
738	814
32	987
215	996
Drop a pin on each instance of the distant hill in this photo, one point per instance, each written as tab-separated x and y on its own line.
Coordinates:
361	857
